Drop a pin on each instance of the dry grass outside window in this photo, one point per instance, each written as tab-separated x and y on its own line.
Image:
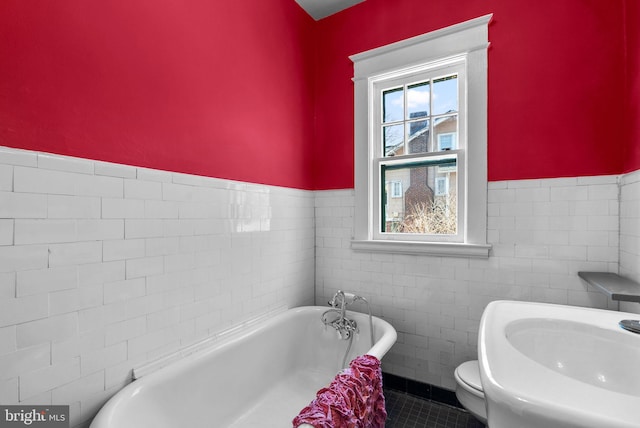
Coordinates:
436	218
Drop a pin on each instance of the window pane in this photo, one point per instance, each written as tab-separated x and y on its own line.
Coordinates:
446	133
393	105
429	199
393	138
445	95
418	136
418	100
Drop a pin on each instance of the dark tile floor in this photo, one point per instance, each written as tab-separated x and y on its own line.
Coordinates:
408	411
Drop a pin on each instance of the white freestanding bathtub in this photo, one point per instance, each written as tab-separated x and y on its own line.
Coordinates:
258	376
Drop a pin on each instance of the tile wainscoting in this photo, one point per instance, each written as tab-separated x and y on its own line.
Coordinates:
630	233
104	267
542	232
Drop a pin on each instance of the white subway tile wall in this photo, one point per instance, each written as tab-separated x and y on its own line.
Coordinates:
630	233
542	232
104	267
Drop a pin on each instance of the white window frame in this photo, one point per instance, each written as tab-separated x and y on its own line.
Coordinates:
467	42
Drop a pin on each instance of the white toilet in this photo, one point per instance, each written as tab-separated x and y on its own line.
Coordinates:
469	389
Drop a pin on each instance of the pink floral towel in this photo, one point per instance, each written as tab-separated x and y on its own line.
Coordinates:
354	399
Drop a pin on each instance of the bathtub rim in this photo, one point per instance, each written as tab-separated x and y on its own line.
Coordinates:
388	337
384	332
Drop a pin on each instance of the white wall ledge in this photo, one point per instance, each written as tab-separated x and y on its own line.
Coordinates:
447	249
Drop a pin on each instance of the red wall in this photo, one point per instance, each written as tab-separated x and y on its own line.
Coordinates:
632	155
556	84
257	91
212	88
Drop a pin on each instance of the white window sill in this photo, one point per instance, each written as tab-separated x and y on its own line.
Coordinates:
447	249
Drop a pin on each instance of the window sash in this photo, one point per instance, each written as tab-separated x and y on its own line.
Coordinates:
381	162
442	159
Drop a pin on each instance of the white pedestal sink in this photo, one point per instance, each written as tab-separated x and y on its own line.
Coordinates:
555	366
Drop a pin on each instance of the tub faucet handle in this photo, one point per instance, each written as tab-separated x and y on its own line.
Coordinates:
337	299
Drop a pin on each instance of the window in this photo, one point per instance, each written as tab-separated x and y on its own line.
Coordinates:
396	189
414	112
447	141
420	135
442	186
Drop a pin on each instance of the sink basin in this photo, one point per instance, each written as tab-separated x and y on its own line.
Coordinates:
544	365
580	351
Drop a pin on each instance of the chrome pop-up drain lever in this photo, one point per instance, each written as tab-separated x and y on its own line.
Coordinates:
630	325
